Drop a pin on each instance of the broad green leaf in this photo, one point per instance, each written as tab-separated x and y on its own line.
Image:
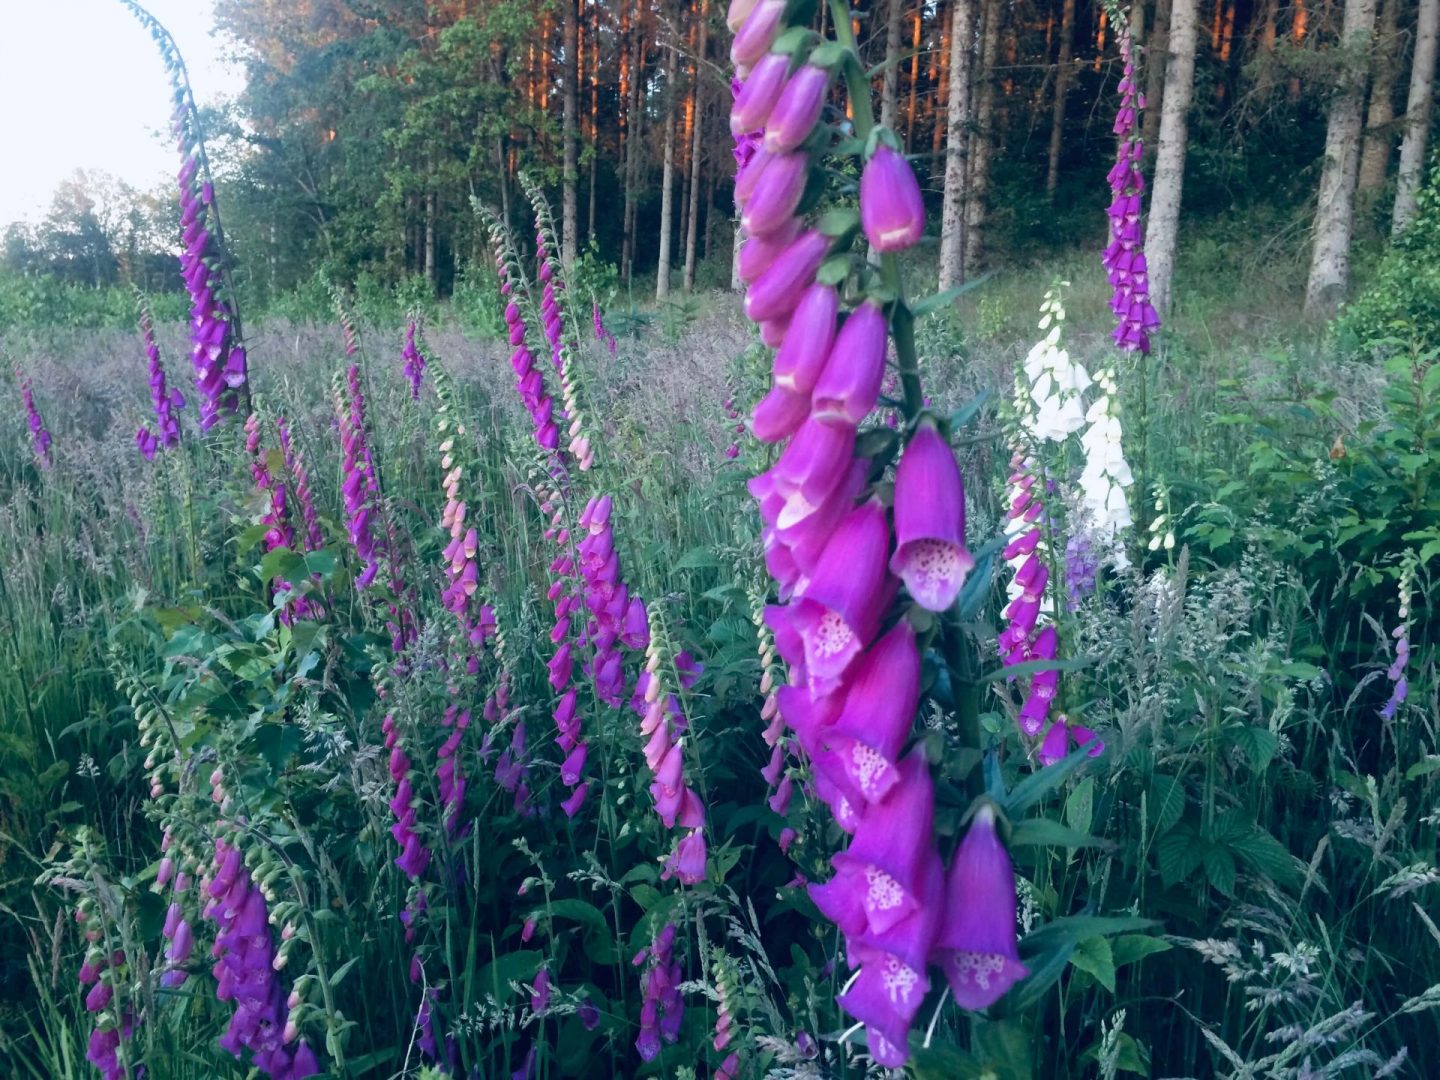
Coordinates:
1129	948
1093	957
1043	832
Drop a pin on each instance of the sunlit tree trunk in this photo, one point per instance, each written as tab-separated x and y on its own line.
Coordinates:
915	39
982	141
946	19
957	116
633	139
692	229
1163	231
1062	91
431	270
1335	211
667	183
570	212
1379	134
1417	114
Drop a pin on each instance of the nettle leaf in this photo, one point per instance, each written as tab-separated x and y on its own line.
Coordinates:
1132	948
1178	855
1262	853
698	559
1219	867
1256	744
1093	957
1166	802
1080	805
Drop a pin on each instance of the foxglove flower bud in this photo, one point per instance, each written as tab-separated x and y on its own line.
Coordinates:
801	358
755	36
798	109
892	211
849	387
776	194
778	290
758	95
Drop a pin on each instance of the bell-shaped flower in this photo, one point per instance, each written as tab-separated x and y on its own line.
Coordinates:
849	387
801	357
776	194
930	554
758	96
797	110
976	948
778	290
756	34
892	211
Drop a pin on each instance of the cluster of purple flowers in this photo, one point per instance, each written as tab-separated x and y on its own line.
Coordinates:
300	476
1029	634
360	488
40	438
245	972
414	361
99	972
462	569
511	770
663	725
166	401
663	1009
1124	258
216	352
839	565
177	929
550	313
602	332
530	382
1399	683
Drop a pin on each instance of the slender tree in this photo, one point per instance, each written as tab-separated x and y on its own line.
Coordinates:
1417	114
1163	231
570	212
696	144
1335	210
983	139
1155	56
890	88
667	182
1380	116
1063	75
957	117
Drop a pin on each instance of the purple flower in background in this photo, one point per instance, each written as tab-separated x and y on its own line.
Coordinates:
662	1008
360	489
414	361
977	947
1124	258
602	333
166	401
40	438
1082	563
300	477
1399	684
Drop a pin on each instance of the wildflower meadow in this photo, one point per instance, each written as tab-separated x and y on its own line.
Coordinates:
860	673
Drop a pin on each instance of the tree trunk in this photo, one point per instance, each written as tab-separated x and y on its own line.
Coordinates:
570	210
667	183
1155	57
980	142
914	76
1379	135
890	91
692	230
1163	231
946	19
431	271
1417	114
1335	211
636	127
957	118
1062	90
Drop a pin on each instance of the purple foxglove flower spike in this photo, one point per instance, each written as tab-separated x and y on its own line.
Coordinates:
892	211
930	554
976	947
40	438
759	252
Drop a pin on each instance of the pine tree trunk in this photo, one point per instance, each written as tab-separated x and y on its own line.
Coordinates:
984	136
1379	135
946	19
667	183
1163	231
1417	114
957	118
1062	91
1335	211
570	210
737	241
692	228
890	91
914	76
633	143
1155	57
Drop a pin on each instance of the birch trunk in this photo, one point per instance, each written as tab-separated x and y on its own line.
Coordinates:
1163	231
1379	118
431	271
1417	114
696	141
1062	90
1335	211
667	183
984	136
957	116
570	211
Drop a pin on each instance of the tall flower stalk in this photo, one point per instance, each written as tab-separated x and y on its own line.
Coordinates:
166	401
40	438
869	576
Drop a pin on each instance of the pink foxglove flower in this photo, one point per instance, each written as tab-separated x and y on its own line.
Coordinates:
797	111
758	94
976	947
930	555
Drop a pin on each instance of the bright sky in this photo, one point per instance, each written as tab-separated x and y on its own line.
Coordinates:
82	86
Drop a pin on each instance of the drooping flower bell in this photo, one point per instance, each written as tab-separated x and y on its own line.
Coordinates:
930	555
977	947
797	110
892	211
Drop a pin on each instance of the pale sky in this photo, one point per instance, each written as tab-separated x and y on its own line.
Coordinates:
82	86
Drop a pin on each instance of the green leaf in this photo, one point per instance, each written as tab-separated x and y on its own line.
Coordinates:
1030	667
1080	805
1265	855
1178	855
1219	868
833	270
838	220
496	977
939	300
281	563
1073	929
342	971
1039	784
1093	957
1042	832
1258	745
1131	948
1166	802
698	559
967	412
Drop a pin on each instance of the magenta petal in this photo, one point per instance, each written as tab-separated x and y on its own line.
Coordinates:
801	358
892	211
930	557
878	715
779	414
798	109
849	387
778	290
